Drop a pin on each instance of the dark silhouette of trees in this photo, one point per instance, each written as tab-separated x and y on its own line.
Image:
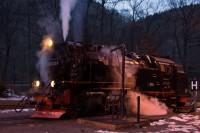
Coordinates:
9	26
147	29
185	24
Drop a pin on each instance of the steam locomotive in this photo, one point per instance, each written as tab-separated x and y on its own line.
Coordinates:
87	79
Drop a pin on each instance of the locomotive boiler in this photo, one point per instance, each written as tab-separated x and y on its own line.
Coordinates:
86	79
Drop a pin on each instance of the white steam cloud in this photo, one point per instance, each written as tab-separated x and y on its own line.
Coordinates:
149	106
47	43
43	59
66	8
50	24
42	66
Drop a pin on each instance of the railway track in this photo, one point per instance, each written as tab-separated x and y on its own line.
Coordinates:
18	105
12	104
8	106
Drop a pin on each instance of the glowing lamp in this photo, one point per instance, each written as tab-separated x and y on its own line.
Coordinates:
36	84
47	43
52	83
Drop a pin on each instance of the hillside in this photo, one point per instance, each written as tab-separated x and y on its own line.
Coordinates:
174	33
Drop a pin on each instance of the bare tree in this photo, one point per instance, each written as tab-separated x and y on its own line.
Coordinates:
8	26
86	32
147	35
135	6
103	2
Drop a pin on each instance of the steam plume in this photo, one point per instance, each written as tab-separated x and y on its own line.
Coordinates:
66	8
130	69
50	25
43	55
149	106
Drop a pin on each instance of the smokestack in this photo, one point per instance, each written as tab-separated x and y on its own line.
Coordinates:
66	8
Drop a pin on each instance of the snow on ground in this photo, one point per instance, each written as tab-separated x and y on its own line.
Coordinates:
16	98
177	119
105	131
198	110
180	123
13	110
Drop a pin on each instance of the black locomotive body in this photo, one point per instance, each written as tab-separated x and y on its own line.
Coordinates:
88	78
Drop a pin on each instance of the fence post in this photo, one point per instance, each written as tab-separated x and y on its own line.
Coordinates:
138	109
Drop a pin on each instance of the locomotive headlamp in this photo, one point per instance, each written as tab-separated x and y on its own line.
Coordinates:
50	43
52	83
36	84
47	43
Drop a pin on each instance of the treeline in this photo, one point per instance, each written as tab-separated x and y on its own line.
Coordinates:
23	24
173	33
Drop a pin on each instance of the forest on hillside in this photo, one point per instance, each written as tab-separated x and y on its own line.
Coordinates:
173	33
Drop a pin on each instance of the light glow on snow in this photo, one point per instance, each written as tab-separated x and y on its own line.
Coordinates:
105	131
180	123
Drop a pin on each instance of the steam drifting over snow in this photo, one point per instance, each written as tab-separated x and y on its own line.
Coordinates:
148	106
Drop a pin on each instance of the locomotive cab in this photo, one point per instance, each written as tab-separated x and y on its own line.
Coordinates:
162	78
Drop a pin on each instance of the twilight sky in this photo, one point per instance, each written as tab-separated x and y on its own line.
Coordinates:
148	6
